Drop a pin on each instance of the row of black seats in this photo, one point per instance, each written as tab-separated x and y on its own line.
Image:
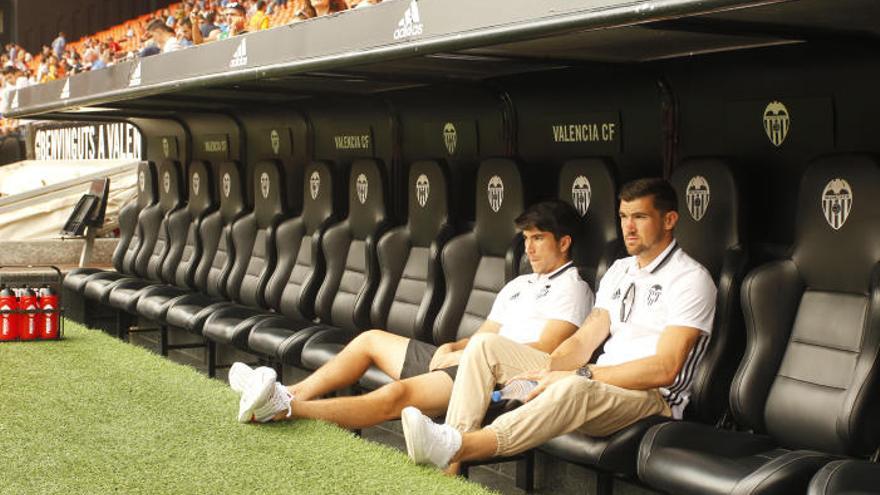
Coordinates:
293	265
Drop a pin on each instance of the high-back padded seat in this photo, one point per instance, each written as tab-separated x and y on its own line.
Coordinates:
477	264
809	373
183	248
215	241
198	253
299	271
148	261
411	286
253	244
712	233
129	231
352	272
849	477
590	186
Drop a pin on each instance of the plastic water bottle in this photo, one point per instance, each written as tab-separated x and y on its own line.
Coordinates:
515	390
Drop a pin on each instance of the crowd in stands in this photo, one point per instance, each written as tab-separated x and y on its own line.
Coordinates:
181	25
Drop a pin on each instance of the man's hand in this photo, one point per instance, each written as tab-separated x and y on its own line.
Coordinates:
543	377
444	357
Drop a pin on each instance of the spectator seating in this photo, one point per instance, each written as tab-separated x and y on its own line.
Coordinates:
712	234
182	248
811	353
300	269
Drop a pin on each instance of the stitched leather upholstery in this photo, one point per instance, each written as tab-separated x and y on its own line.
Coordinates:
129	237
154	244
184	248
477	264
411	286
292	289
810	364
250	242
846	477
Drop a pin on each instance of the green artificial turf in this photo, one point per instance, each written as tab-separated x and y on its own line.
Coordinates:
91	414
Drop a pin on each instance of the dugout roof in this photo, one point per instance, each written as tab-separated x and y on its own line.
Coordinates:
387	47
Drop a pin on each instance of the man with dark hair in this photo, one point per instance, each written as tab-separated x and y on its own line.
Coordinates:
657	307
536	311
163	36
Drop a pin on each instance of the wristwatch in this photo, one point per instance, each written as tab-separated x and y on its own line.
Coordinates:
585	372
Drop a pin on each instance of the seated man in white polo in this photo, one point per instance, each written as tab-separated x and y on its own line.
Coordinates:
538	311
657	306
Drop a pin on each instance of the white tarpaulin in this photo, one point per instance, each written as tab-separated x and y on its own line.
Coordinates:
37	197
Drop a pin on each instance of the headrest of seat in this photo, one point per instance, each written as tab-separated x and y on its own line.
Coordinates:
319	191
590	186
268	192
147	193
201	188
428	187
170	177
837	242
709	210
231	191
366	197
500	200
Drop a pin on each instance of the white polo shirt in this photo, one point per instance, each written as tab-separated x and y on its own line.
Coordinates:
526	303
673	290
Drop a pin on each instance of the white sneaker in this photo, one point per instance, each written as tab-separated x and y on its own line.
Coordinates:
276	402
426	441
239	374
256	390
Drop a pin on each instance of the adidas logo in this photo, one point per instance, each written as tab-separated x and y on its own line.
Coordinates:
239	58
411	23
65	91
135	79
14	104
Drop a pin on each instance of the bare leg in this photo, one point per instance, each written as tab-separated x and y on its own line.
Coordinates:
476	445
385	350
429	392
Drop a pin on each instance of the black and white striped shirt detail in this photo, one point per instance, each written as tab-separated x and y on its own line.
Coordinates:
685	377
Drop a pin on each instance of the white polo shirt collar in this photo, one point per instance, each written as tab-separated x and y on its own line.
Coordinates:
657	263
555	273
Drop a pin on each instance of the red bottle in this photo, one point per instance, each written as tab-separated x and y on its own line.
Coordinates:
8	317
29	328
49	316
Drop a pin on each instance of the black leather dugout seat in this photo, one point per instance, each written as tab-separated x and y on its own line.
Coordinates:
476	265
411	283
589	185
710	230
154	243
299	272
253	244
352	270
848	477
806	383
217	254
129	231
183	248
